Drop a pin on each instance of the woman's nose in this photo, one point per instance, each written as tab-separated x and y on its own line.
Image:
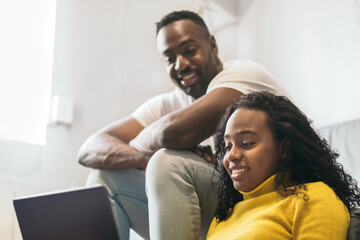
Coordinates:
234	154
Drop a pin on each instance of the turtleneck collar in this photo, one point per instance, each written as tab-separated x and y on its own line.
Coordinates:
268	186
265	187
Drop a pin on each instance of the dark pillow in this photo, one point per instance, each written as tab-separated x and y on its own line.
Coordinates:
354	229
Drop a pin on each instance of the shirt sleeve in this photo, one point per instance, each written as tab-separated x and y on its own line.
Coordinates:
246	76
161	105
149	111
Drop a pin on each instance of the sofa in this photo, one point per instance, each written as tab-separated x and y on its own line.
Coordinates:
345	138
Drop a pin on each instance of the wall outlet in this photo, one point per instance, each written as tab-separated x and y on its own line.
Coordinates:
62	110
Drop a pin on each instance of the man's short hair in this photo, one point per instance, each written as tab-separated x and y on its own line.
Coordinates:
180	15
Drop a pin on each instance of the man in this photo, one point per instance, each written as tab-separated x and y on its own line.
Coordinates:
163	137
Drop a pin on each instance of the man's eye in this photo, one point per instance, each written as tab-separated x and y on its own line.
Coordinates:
190	51
170	60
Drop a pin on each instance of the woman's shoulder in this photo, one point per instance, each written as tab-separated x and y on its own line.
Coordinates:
319	189
318	210
318	195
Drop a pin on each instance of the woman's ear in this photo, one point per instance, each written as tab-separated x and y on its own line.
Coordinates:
284	145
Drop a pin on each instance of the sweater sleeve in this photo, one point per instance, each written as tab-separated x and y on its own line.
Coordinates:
320	214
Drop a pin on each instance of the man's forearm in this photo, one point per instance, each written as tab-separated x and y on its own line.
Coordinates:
150	139
187	127
172	131
105	151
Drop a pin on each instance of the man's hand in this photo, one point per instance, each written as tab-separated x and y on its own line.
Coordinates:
105	151
109	148
205	152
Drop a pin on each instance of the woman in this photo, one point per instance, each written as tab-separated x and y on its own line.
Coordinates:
279	179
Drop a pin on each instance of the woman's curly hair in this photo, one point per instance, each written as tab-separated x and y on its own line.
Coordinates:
308	157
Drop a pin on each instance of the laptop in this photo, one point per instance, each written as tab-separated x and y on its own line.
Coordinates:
76	214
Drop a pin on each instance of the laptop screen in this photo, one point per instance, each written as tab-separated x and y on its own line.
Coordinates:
82	213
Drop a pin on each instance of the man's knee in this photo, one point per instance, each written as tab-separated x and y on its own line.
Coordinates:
160	158
166	167
163	162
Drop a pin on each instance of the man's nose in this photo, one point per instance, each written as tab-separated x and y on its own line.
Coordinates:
181	63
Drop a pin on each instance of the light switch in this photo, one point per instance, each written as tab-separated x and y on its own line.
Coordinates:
62	109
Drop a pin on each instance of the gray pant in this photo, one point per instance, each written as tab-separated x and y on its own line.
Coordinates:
180	196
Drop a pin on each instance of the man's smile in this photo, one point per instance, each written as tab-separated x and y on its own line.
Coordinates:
188	79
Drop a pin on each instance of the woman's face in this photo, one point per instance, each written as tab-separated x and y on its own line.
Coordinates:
251	155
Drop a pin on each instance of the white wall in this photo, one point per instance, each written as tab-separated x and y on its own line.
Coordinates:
221	17
312	46
105	58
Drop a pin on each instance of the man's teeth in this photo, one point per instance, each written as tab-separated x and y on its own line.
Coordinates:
234	171
188	76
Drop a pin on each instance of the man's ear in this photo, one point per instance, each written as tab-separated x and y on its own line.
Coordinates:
213	45
284	147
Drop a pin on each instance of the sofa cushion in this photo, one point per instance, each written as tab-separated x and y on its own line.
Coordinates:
354	228
345	138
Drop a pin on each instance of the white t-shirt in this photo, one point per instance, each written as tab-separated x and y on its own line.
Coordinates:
161	105
244	76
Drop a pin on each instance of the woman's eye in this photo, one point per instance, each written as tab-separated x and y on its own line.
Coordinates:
227	148
247	144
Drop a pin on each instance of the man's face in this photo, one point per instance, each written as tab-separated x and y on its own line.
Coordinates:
190	56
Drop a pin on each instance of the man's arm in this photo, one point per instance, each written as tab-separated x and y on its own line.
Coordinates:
109	148
186	128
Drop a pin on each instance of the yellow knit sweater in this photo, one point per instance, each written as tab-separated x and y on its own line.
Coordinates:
265	214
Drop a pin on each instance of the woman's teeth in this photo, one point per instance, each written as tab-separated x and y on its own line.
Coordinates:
241	170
